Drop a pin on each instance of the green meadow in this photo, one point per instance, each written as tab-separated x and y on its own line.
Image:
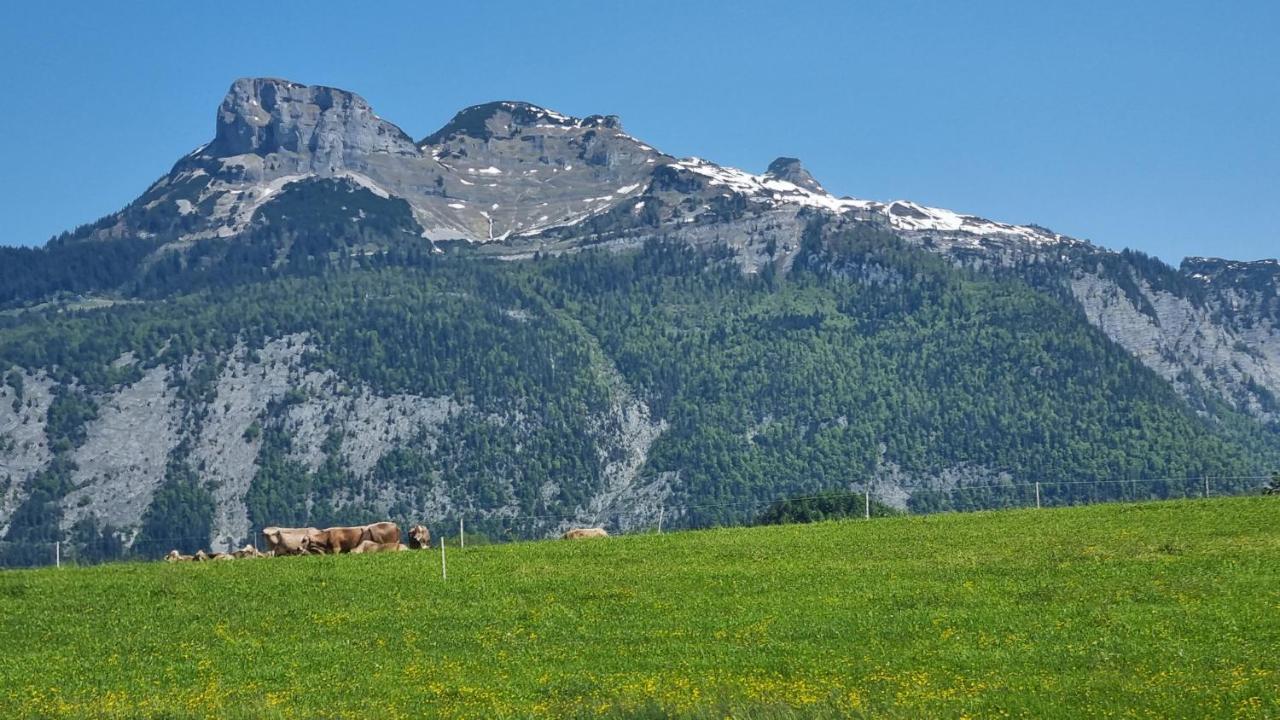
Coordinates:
1158	610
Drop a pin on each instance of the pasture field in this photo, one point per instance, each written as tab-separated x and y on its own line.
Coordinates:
1167	609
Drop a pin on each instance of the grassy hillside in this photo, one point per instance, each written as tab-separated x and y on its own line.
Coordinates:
1151	610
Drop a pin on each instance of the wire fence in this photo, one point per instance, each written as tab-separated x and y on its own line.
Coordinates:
500	526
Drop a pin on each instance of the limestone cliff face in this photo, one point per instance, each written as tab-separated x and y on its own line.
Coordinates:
24	448
321	129
1225	339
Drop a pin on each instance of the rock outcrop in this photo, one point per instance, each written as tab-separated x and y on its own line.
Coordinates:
790	170
322	129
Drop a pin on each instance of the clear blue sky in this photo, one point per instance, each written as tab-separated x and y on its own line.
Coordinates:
1152	125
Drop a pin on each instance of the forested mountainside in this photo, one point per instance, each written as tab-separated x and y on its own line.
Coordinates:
596	386
534	320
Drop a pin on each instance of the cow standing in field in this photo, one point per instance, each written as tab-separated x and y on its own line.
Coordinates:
346	539
584	533
383	532
337	540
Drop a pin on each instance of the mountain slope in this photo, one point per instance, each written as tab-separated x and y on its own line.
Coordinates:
519	180
306	320
593	387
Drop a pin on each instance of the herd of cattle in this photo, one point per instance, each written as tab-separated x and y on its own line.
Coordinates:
375	537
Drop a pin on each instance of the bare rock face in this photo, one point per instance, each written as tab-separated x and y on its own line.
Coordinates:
496	171
122	461
790	170
324	128
24	447
512	169
1225	339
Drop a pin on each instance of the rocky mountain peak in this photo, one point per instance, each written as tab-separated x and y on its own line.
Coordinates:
790	170
499	171
507	118
262	116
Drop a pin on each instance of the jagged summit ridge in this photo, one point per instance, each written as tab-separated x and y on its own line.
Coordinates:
498	171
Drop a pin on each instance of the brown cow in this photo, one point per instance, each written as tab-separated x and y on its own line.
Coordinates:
345	539
584	533
339	539
419	537
175	556
369	546
382	532
290	541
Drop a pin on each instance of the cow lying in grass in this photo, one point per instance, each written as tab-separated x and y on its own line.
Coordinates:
369	546
584	533
202	556
248	551
375	537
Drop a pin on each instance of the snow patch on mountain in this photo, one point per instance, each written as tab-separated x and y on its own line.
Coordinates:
900	214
